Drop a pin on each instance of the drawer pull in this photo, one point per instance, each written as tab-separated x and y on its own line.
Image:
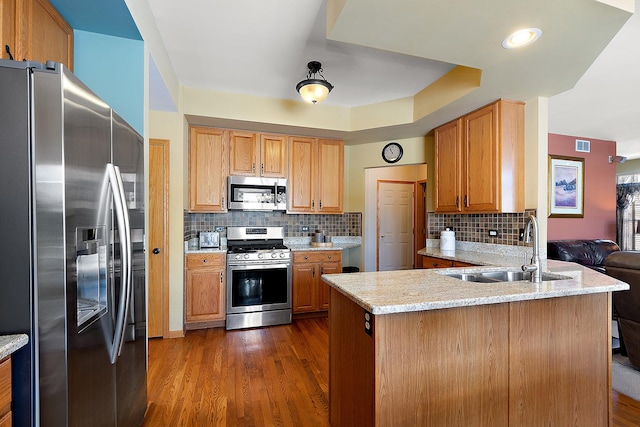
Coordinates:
329	257
204	260
306	257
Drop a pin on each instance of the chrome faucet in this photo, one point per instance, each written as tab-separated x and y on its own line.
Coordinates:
535	265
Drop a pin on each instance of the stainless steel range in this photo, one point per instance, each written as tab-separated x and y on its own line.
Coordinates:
258	277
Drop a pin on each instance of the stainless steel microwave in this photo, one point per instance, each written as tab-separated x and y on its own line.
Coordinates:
250	193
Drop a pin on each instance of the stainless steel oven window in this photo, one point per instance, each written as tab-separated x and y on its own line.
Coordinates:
259	287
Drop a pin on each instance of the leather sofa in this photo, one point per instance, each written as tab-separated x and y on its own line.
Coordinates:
590	253
625	266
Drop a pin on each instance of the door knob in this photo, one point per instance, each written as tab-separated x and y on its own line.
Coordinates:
156	251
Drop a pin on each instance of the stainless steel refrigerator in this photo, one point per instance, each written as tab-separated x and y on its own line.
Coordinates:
72	261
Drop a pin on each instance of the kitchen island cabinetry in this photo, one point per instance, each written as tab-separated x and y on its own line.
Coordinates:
205	290
310	293
34	30
479	160
316	176
208	162
260	155
416	347
5	392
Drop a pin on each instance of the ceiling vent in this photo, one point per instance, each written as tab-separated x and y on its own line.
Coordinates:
583	146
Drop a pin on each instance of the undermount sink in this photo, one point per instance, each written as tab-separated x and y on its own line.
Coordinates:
504	276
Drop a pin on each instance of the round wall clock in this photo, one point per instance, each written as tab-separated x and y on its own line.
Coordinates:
392	152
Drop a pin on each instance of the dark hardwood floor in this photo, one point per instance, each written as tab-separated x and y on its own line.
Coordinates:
276	376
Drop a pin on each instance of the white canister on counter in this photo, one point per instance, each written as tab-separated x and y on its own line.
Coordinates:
447	240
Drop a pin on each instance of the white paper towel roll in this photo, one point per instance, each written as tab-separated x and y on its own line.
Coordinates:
448	240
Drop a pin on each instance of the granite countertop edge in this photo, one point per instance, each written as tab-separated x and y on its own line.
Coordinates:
9	344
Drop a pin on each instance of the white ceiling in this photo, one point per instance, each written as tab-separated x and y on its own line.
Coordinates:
379	50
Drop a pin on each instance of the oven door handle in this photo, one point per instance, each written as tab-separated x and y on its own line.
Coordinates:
257	265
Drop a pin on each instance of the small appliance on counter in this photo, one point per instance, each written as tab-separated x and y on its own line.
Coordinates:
209	239
448	240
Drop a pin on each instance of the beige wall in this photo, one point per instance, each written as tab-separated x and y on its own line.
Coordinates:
536	163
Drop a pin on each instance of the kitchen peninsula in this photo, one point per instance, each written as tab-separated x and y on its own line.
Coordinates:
417	347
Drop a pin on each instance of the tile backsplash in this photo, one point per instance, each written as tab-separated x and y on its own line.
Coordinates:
475	227
347	224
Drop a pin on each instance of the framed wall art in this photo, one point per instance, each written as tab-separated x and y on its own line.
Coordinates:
566	187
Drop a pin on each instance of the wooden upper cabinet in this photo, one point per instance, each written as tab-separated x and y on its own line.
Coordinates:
260	155
302	173
480	160
208	160
39	32
7	26
316	175
330	176
243	153
448	164
274	156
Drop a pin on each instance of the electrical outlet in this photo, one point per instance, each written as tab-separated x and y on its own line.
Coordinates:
219	229
493	233
368	323
305	228
521	234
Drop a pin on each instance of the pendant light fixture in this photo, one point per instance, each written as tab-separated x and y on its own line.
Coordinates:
314	89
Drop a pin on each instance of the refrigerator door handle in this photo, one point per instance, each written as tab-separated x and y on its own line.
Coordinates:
122	218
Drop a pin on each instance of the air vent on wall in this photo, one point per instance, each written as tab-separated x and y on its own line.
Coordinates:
583	146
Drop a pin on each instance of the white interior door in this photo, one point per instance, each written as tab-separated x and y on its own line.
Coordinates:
395	225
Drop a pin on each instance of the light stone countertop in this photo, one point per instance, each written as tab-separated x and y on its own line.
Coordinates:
293	243
11	343
402	291
196	250
339	243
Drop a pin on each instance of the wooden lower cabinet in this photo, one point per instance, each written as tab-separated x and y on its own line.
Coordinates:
434	262
310	293
5	392
527	363
205	290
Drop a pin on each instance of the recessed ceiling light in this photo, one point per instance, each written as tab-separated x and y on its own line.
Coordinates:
521	38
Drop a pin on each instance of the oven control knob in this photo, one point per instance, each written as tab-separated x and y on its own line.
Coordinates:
282	254
246	256
238	256
260	256
274	255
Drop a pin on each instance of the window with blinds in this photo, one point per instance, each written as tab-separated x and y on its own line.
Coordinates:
631	215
